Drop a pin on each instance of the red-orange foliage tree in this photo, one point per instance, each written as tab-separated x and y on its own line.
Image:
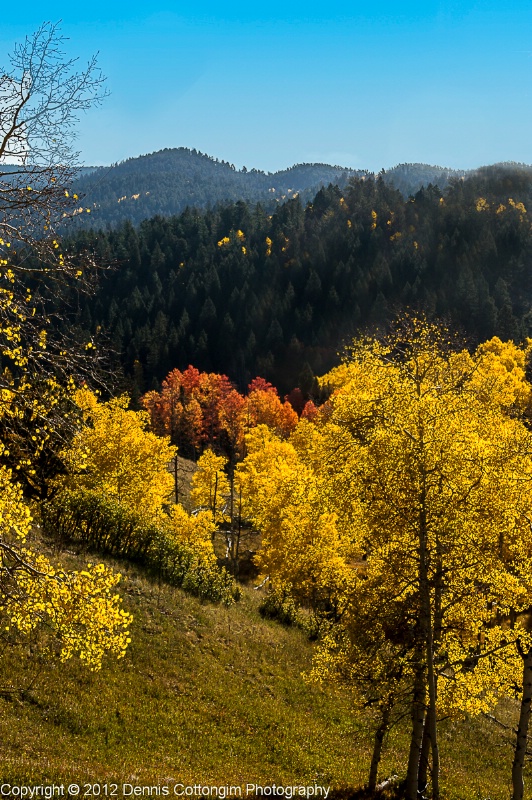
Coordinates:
203	409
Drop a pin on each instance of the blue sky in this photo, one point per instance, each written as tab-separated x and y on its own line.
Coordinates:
271	84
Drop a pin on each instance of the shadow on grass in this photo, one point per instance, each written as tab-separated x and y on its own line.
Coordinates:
391	791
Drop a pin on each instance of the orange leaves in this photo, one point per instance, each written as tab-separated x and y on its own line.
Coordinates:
230	415
203	409
264	408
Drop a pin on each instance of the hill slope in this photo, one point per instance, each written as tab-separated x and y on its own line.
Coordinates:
168	181
211	695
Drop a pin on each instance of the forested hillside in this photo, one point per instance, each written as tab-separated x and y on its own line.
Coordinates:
168	181
243	292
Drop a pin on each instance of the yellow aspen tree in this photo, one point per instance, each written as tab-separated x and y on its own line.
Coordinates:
433	460
302	547
39	99
408	502
500	374
81	608
210	486
41	94
114	454
196	531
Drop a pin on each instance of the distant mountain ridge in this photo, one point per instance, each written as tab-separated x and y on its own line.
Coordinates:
168	181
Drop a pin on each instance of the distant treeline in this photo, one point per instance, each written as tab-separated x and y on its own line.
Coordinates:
239	291
168	181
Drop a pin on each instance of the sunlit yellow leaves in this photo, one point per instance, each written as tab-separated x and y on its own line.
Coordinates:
418	450
518	206
15	517
500	374
81	608
302	546
210	487
114	454
196	531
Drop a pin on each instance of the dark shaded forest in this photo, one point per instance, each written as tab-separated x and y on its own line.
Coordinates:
241	291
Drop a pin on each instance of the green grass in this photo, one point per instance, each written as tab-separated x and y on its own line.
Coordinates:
213	695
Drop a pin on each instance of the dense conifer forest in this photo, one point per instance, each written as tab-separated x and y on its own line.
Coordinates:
167	181
239	290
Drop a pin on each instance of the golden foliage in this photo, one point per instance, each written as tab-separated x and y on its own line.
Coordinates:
196	531
79	607
115	454
422	436
302	546
210	487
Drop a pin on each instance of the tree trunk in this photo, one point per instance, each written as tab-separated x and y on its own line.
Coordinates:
214	506
431	721
238	535
518	784
386	710
432	644
416	738
422	777
427	632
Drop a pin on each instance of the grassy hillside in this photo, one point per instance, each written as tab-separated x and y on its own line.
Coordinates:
212	695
